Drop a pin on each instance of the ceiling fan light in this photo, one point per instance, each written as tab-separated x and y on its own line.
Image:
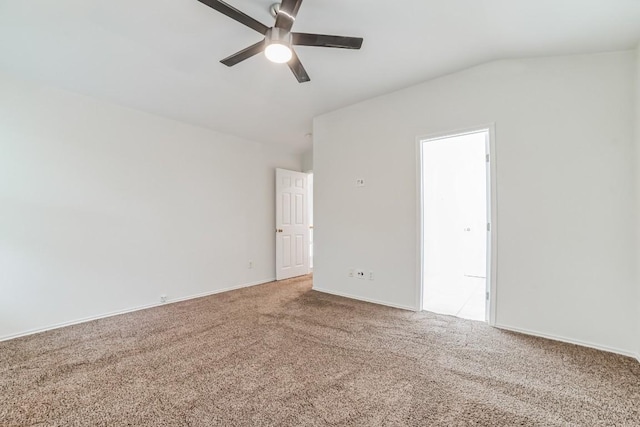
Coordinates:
278	45
278	53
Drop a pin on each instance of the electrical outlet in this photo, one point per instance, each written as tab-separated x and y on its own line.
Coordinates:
360	182
360	274
163	298
250	264
350	273
371	275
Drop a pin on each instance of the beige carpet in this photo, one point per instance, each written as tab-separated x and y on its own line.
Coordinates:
283	355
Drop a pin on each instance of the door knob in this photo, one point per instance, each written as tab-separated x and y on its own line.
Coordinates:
278	230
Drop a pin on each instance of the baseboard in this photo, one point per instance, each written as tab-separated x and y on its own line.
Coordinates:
373	301
130	310
570	341
219	291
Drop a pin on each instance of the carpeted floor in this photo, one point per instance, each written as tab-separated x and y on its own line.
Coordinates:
281	354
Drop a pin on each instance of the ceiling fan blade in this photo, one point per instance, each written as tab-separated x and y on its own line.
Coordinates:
323	40
298	70
247	53
287	14
236	15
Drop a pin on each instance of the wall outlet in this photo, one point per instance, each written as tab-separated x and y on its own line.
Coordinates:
371	275
360	274
163	298
360	182
350	273
250	265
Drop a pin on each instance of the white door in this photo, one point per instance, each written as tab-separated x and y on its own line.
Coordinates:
292	258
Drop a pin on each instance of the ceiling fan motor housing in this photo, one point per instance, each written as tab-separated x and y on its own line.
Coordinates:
277	35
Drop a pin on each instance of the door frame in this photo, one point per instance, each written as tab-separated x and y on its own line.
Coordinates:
310	215
492	210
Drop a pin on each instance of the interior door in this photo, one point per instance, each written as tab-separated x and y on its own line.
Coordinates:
292	227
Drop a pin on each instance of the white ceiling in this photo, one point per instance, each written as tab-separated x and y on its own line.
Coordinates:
161	56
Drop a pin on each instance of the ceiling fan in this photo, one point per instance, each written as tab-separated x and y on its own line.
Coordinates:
278	40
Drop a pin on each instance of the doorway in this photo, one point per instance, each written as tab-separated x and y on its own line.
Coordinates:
456	216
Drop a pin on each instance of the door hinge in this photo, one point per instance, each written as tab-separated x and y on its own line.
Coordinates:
487	158
487	295
488	226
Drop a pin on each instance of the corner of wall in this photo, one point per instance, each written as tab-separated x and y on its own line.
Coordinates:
637	177
637	193
307	160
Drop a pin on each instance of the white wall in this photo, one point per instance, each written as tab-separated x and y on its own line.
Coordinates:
637	111
307	161
104	208
565	191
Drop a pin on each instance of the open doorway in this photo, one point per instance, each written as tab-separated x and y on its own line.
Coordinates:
455	223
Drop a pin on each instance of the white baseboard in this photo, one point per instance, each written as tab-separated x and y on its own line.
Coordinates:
570	341
373	301
219	291
129	310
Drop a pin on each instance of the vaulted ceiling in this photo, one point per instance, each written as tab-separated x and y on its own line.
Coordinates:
162	56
